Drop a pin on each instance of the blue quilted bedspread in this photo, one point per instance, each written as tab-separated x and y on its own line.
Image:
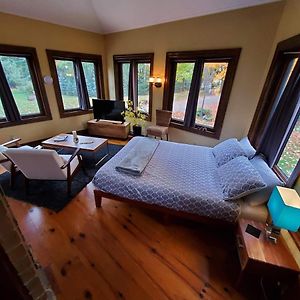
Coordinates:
179	176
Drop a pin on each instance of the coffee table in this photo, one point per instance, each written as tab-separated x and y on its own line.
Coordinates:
85	143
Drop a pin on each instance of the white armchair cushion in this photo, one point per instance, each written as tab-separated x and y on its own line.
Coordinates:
40	164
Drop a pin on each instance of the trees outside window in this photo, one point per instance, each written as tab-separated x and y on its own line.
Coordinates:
132	73
197	88
78	78
22	94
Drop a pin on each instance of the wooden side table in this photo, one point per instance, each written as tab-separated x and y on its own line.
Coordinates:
263	258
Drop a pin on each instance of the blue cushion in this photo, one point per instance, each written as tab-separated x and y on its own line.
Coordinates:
227	151
269	177
239	178
247	147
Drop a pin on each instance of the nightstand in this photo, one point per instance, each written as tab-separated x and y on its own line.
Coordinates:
262	258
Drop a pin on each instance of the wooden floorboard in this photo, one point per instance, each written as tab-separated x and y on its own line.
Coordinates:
121	252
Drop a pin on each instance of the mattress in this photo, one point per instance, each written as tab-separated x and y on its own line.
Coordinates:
179	176
255	213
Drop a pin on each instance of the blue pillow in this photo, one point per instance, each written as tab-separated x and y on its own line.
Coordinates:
269	177
227	151
247	147
239	178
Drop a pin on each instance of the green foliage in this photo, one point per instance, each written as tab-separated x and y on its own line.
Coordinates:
143	73
291	153
213	76
17	74
66	77
205	114
89	74
143	78
135	117
184	74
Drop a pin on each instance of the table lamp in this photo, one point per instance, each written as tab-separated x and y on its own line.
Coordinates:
284	212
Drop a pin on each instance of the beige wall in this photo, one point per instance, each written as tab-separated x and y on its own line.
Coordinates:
41	35
252	29
290	21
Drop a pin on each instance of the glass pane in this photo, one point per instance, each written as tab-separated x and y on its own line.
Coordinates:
19	79
90	79
2	113
184	74
212	80
143	87
284	82
125	78
67	82
291	153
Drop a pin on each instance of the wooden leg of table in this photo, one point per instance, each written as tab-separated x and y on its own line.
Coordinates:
98	201
166	219
26	186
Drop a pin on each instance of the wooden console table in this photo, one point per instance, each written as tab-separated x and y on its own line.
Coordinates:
263	258
108	129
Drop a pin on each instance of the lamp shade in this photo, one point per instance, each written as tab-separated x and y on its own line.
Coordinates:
284	208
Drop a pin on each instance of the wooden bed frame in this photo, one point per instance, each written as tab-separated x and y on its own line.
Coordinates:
167	212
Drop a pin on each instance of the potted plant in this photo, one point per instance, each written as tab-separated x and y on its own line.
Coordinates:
135	117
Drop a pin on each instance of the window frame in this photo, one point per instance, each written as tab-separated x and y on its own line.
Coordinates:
13	116
134	59
289	47
76	58
231	56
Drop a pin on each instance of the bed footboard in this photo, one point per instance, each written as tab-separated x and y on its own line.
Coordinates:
167	212
98	198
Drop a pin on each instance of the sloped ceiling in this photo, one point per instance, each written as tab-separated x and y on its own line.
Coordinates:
107	16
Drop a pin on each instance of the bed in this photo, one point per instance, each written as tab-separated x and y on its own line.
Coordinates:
179	179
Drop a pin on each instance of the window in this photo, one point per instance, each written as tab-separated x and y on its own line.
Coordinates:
291	153
275	129
77	79
132	73
197	89
22	94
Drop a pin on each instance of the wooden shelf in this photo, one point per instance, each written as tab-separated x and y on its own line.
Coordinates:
107	129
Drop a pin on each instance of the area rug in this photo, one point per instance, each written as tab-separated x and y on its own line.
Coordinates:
53	194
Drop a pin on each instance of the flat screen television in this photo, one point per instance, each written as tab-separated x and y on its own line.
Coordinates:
108	109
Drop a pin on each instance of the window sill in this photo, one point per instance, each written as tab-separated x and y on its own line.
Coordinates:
208	133
26	121
280	174
72	113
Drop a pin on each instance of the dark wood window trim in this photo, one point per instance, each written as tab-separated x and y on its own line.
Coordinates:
133	59
271	86
77	58
12	113
291	48
199	57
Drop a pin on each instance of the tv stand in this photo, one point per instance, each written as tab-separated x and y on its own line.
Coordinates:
107	128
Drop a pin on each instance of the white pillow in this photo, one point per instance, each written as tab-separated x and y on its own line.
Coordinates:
239	178
227	150
269	177
247	147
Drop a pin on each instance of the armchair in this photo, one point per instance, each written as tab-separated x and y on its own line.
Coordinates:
161	129
5	163
45	164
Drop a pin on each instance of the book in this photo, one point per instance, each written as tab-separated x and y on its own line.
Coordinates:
60	138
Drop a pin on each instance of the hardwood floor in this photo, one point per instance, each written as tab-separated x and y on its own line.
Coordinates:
121	252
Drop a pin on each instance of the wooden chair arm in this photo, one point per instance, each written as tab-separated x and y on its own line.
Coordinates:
14	141
71	158
4	160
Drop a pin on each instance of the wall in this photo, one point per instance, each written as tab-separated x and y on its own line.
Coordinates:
252	29
21	31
